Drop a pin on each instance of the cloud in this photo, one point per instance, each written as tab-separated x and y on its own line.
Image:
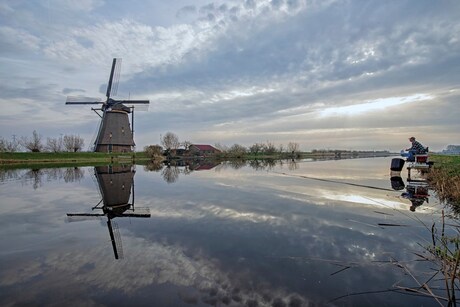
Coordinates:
244	62
72	90
186	11
14	40
375	105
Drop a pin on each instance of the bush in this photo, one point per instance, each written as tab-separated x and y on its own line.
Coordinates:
153	151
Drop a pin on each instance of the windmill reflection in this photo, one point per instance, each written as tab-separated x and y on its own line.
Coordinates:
116	185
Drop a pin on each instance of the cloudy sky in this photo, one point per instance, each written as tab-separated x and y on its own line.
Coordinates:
324	74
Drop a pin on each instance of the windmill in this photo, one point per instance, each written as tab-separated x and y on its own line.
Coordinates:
115	133
116	185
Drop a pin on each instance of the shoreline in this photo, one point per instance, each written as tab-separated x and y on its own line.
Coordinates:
27	159
68	158
444	176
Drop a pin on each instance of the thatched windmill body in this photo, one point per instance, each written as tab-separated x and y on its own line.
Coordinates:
115	133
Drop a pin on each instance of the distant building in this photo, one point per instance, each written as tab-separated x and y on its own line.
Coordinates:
452	150
202	150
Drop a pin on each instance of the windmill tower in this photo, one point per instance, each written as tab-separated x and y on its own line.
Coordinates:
115	133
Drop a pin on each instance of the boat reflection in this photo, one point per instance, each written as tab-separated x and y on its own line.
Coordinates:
417	194
416	191
116	186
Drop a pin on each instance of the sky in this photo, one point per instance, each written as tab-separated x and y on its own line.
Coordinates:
354	75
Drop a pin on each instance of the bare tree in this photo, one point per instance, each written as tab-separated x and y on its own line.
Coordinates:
8	146
73	143
55	144
186	144
237	150
269	148
293	147
3	145
34	144
170	141
256	148
222	148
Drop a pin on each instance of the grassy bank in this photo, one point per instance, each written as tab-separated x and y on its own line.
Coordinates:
51	159
445	178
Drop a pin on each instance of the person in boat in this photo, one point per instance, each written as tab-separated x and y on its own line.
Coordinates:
415	149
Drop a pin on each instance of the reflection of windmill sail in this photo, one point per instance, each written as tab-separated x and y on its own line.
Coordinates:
116	184
115	133
115	238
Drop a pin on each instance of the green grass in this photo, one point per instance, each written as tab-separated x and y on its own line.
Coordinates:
450	164
51	155
445	178
50	159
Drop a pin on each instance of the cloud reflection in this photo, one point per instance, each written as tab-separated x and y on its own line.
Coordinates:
149	264
233	237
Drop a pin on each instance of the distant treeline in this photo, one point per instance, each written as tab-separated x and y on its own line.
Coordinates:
35	143
171	144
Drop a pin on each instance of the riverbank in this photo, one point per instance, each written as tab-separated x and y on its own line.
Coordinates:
15	158
445	175
51	159
445	178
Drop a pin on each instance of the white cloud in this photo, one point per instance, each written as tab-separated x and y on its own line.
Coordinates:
253	69
17	39
373	106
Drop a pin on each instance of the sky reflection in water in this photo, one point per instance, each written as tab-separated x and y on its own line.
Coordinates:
266	235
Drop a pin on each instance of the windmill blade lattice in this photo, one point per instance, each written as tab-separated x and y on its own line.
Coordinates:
116	77
116	66
82	100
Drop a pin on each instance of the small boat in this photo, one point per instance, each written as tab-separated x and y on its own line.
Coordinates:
421	163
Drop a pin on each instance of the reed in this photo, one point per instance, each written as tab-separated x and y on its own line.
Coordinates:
445	253
445	179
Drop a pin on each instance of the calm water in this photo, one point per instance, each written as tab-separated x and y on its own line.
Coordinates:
291	234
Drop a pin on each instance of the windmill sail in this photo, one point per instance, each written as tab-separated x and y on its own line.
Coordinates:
116	63
115	132
82	100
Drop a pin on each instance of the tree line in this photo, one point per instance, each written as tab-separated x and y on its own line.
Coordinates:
170	143
267	148
35	143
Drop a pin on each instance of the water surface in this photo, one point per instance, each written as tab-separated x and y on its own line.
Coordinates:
299	233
